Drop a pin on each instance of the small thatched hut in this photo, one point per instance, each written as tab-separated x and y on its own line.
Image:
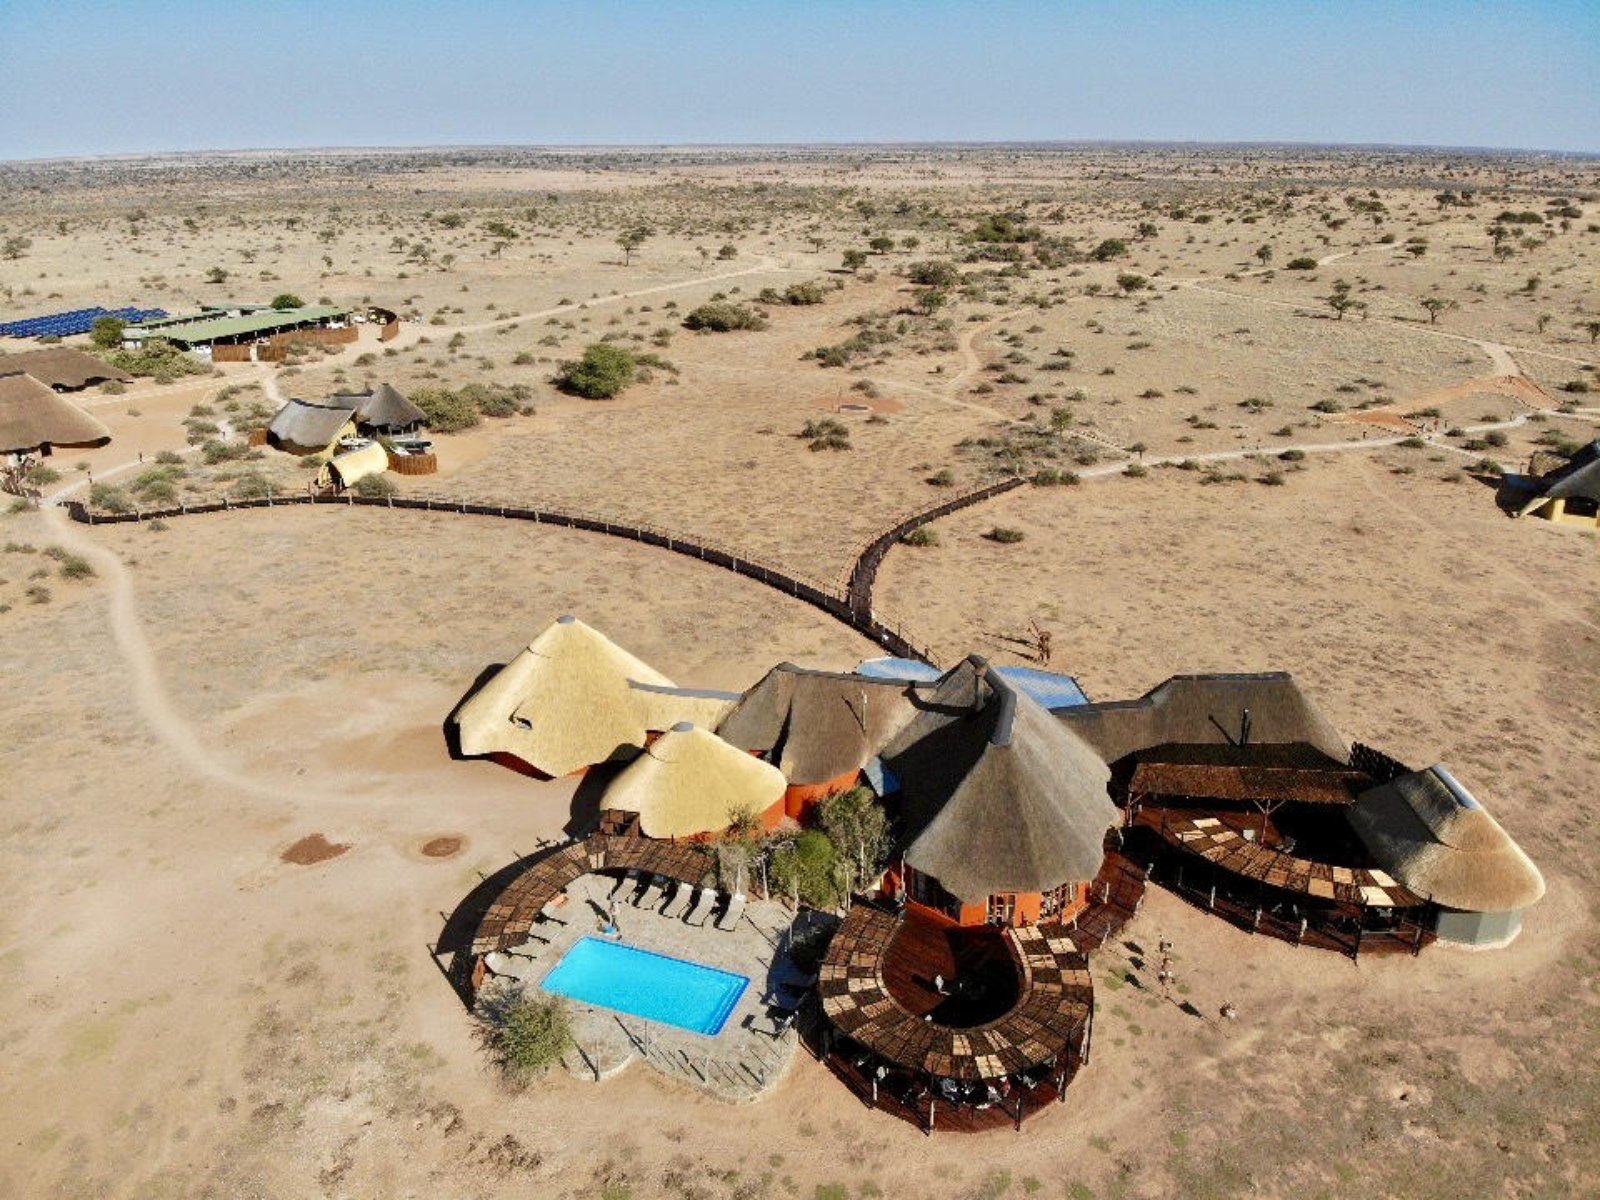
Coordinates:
1568	492
690	783
1434	837
820	728
309	427
1004	810
344	471
572	699
35	420
383	410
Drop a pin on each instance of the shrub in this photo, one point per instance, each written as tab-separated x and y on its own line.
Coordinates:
923	535
1303	263
804	868
933	273
603	372
527	1035
375	487
287	300
159	359
1292	455
944	477
826	434
215	452
809	292
1109	249
1005	536
1135	470
109	497
253	485
74	567
1273	479
448	412
724	317
106	332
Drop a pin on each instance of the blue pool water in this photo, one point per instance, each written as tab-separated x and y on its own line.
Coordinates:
646	984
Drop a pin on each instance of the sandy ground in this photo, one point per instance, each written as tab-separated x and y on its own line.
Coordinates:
195	1016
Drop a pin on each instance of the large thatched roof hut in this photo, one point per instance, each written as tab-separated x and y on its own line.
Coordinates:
34	419
572	699
1434	837
820	728
1002	805
384	410
311	427
63	368
690	783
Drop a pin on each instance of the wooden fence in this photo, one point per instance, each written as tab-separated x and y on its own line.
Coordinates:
891	636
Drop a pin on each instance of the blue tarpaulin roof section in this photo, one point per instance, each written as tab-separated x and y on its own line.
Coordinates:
1052	691
79	320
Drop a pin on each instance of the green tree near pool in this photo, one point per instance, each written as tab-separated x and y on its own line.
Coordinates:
525	1034
603	372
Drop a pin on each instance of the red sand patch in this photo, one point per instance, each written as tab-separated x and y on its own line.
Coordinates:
442	847
313	848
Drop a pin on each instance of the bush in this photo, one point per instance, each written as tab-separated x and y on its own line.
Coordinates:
110	498
527	1035
804	868
74	567
603	372
1109	249
1005	536
287	300
804	293
724	317
253	485
826	434
107	332
921	536
159	359
1292	455
1303	263
944	477
375	487
933	273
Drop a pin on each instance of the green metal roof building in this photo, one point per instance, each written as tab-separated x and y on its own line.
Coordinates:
233	325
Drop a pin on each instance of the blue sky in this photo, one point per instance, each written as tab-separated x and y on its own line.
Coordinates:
105	78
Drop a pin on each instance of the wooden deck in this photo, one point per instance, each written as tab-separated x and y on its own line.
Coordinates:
976	966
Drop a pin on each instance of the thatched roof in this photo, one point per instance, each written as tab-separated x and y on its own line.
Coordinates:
998	795
689	781
385	408
1577	478
663	707
347	469
1429	832
32	417
310	424
1260	772
564	703
62	367
1206	708
817	725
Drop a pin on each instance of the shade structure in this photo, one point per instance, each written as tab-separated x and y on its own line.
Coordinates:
690	782
1199	709
563	704
347	469
1433	836
33	418
998	796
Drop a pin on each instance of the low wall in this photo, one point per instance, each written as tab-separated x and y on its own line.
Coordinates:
414	464
390	330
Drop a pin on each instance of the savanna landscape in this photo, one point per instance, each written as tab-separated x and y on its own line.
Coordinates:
1260	401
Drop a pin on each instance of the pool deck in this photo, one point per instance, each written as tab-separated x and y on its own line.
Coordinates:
738	1064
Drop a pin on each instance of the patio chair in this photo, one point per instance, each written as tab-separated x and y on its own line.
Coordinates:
702	907
730	915
630	878
651	895
529	949
679	900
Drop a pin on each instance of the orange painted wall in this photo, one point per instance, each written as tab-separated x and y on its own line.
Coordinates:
800	800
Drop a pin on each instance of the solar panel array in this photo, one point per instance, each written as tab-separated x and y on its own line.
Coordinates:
79	320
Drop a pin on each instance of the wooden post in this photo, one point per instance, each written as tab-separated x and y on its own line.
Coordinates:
933	1104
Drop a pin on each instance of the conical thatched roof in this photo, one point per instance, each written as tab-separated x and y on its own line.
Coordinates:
32	417
689	781
63	367
1197	709
386	408
1429	832
663	707
998	795
563	704
311	425
817	725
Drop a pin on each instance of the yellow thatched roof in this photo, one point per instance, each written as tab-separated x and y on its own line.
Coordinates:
574	698
690	781
1429	832
347	469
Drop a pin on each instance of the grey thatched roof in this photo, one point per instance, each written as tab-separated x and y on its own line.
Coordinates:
32	417
62	367
998	795
1433	836
384	407
310	424
816	726
1205	708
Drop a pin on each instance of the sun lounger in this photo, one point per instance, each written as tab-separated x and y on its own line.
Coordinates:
730	915
702	907
529	949
651	896
507	965
678	901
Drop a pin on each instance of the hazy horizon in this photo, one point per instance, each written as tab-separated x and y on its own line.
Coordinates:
79	80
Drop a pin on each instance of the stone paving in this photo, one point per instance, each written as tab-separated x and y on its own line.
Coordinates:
739	1063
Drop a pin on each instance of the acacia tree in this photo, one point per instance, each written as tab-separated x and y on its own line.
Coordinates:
1434	305
854	260
1264	253
630	240
855	823
1591	327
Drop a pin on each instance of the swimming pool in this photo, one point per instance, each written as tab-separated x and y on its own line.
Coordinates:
646	984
